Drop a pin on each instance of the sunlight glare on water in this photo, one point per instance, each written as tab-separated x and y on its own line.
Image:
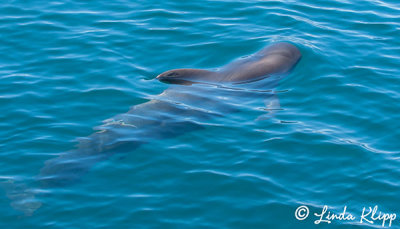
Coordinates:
332	138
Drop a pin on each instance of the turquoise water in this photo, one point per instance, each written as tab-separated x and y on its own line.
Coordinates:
334	140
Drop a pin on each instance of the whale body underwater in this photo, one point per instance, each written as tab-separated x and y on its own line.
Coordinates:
192	98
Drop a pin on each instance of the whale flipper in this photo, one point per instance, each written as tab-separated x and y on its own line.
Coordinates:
272	105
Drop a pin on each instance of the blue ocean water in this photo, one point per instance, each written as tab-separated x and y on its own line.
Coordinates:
65	66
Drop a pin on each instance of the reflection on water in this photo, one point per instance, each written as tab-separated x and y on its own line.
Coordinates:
326	135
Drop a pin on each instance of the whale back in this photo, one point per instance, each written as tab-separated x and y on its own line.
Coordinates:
278	58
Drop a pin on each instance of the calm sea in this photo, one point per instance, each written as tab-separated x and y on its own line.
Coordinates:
334	140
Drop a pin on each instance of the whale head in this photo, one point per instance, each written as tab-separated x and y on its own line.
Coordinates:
278	58
185	76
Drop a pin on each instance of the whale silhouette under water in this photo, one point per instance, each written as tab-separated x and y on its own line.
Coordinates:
194	97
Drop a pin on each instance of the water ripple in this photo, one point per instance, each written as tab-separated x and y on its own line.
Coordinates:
225	159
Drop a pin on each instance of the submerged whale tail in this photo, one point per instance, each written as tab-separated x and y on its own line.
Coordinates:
156	119
21	197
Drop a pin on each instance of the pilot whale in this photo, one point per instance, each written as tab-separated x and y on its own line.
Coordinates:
278	58
194	96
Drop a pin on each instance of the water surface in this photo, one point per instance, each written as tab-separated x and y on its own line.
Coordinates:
65	66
